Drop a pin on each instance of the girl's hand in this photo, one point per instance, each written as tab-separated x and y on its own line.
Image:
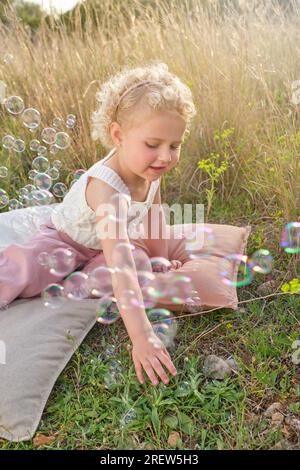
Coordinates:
175	264
149	353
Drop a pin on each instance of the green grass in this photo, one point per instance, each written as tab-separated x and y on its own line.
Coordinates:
83	413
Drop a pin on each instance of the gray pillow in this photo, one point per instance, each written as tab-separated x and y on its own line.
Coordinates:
36	343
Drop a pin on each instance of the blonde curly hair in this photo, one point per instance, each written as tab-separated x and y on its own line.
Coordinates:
120	96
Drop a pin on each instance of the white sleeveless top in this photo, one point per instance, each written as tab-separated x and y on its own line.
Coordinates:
75	218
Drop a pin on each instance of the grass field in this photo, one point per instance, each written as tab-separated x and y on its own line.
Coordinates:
242	69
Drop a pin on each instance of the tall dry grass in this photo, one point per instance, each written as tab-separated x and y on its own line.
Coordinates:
240	67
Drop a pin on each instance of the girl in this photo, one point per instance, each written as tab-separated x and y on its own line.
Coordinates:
143	115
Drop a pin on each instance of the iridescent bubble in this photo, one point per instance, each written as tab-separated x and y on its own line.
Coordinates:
235	270
114	374
32	174
19	145
180	287
42	197
57	122
75	286
48	135
53	173
61	261
53	296
34	145
57	164
128	417
31	118
164	326
42	181
3	172
79	173
100	281
43	258
4	199
261	261
59	189
183	389
41	164
8	141
160	264
53	149
14	204
200	242
71	121
42	150
107	311
62	140
14	104
290	237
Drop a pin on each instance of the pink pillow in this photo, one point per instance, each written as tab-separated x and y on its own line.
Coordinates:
205	272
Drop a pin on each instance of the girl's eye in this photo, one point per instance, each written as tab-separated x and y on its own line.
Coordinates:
155	146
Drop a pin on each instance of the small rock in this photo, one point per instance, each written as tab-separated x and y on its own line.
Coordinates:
267	288
293	423
174	439
232	363
277	419
216	368
272	409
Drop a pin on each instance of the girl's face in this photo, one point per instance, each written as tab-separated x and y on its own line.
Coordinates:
155	142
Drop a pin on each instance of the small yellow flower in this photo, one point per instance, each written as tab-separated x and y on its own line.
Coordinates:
229	326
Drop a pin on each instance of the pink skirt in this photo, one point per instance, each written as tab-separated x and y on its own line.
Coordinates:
22	276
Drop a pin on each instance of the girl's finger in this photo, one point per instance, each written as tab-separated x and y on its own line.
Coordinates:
167	362
150	372
139	371
159	369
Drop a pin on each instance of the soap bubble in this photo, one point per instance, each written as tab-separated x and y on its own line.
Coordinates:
235	270
19	145
261	261
59	189
42	197
8	58
164	326
53	296
53	173
42	181
61	261
4	199
75	286
31	118
107	311
71	121
8	141
14	104
48	135
3	172
290	238
43	258
54	149
42	150
14	204
57	122
100	281
62	140
34	145
57	164
79	173
41	164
